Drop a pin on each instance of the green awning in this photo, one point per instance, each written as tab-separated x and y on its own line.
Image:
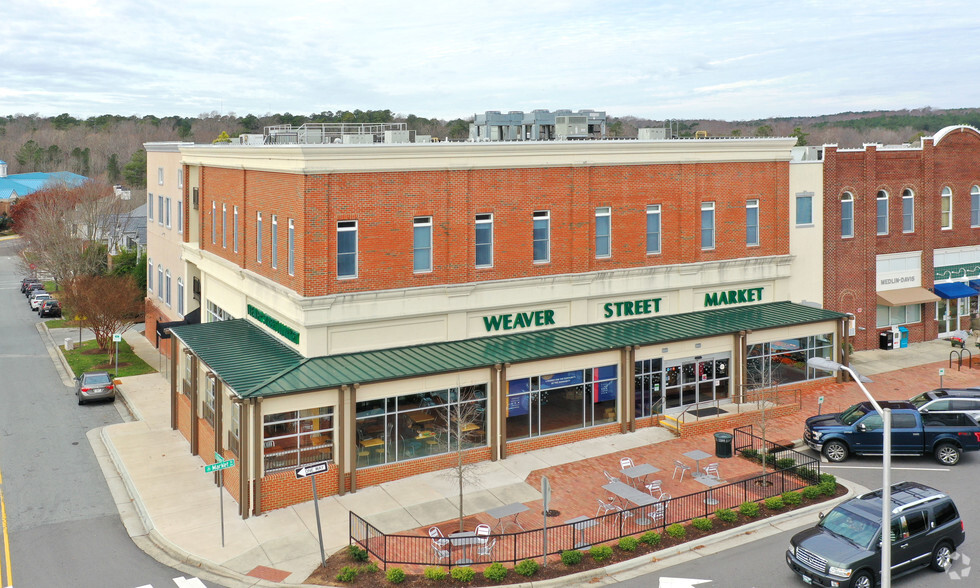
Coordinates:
255	365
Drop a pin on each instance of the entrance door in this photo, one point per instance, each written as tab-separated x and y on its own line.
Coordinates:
946	316
692	381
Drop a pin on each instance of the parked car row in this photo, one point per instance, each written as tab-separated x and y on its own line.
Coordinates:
39	299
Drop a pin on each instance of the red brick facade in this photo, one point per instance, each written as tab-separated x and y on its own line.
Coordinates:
850	263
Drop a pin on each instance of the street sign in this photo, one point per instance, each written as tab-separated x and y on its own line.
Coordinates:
311	469
218	456
219	465
942	371
820	400
116	338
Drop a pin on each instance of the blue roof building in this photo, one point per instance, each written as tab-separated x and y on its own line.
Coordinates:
17	186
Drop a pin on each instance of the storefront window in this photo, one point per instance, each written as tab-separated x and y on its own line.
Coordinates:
563	401
888	316
291	439
785	361
419	425
647	384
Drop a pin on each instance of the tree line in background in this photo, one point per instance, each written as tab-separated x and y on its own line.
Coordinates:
110	147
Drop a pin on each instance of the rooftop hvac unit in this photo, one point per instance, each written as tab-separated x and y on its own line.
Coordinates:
571	127
423	138
246	139
397	137
651	134
358	139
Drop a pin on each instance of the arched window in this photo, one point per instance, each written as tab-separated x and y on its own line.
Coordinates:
908	211
881	212
946	213
846	215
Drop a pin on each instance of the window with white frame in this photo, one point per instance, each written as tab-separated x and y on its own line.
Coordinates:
159	210
484	240
890	316
216	313
180	178
234	228
804	208
180	296
603	231
347	249
946	208
653	228
160	281
291	258
258	237
168	211
214	223
881	212
160	175
210	391
422	244
180	216
167	289
751	222
846	215
149	206
707	225
975	206
235	428
274	255
908	211
149	275
542	236
291	439
224	225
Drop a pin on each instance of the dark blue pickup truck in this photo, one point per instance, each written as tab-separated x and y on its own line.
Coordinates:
858	430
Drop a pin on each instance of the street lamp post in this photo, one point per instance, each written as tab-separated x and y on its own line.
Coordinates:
821	363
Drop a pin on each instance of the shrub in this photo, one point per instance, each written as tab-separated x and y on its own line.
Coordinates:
750	454
785	463
629	543
463	574
677	531
435	573
792	498
827	485
370	567
701	524
356	553
601	552
812	492
651	538
774	503
395	575
528	567
347	574
496	572
571	557
749	509
807	474
726	515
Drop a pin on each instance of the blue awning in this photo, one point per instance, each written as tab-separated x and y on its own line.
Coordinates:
975	284
954	290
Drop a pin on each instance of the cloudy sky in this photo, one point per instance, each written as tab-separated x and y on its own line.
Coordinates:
722	59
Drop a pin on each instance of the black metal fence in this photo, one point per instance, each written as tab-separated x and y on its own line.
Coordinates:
513	547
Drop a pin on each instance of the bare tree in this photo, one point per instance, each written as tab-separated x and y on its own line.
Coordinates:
107	304
465	423
762	389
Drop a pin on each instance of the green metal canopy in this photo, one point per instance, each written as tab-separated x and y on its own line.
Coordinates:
255	364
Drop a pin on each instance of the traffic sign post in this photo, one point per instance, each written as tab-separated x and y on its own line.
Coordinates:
310	471
218	466
116	338
546	495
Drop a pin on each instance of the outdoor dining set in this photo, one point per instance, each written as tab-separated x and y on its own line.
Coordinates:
480	537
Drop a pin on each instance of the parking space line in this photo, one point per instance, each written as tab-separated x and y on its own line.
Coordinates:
893	468
6	537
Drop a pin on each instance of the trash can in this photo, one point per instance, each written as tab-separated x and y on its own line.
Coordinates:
885	340
68	344
723	444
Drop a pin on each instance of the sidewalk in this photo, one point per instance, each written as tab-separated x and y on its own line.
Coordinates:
170	506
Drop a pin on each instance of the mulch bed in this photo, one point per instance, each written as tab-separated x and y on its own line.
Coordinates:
327	575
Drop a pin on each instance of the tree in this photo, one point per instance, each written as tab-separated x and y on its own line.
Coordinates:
112	171
135	170
222	138
109	305
800	136
764	131
459	129
130	263
736	132
466	422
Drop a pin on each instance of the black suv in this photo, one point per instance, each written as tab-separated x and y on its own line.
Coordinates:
844	549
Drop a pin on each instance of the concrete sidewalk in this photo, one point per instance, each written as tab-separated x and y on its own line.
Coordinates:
170	506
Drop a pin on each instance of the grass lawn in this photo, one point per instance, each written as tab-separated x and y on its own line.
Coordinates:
87	357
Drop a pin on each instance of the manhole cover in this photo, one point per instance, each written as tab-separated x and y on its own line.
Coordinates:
552	512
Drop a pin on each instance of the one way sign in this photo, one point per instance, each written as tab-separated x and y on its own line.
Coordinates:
311	469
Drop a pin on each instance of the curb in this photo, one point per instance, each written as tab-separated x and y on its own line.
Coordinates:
658	557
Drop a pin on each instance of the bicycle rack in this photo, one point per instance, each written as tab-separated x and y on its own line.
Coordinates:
959	362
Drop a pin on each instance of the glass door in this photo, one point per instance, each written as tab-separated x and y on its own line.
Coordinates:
946	316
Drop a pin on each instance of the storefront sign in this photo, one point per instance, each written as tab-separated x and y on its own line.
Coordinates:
519	320
727	297
272	323
631	307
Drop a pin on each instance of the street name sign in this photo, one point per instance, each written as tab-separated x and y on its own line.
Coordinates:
219	465
311	469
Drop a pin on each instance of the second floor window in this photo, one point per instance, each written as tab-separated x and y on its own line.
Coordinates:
180	295
258	237
881	212
846	215
234	228
160	281
804	208
946	211
603	232
180	216
291	261
149	276
224	225
707	225
653	228
160	210
484	240
542	236
167	289
214	223
422	247
274	255
168	212
752	222
347	249
975	206
149	206
908	211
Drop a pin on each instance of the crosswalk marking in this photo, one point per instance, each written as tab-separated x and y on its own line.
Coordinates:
182	582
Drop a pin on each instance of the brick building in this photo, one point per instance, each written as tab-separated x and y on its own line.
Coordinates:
383	306
902	236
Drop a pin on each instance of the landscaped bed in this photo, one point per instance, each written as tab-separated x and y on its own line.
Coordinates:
354	567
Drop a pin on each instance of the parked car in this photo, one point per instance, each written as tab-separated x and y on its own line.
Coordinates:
32	287
94	386
26	281
49	308
859	430
844	548
948	400
37	297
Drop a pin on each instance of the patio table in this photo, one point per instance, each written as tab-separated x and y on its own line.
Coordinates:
697	455
639	471
465	539
580	524
627	492
709	482
508	510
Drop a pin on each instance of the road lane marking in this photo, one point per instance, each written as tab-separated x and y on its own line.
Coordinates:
892	468
6	537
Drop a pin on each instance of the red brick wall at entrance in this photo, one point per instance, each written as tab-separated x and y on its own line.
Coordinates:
850	283
153	315
545	441
283	489
184	416
385	203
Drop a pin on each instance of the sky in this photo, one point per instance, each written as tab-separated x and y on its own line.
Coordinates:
729	60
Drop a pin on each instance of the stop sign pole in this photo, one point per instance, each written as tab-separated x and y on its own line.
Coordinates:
311	470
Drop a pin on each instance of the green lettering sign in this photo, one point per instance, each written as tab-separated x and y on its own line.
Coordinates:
726	297
288	333
519	320
631	308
